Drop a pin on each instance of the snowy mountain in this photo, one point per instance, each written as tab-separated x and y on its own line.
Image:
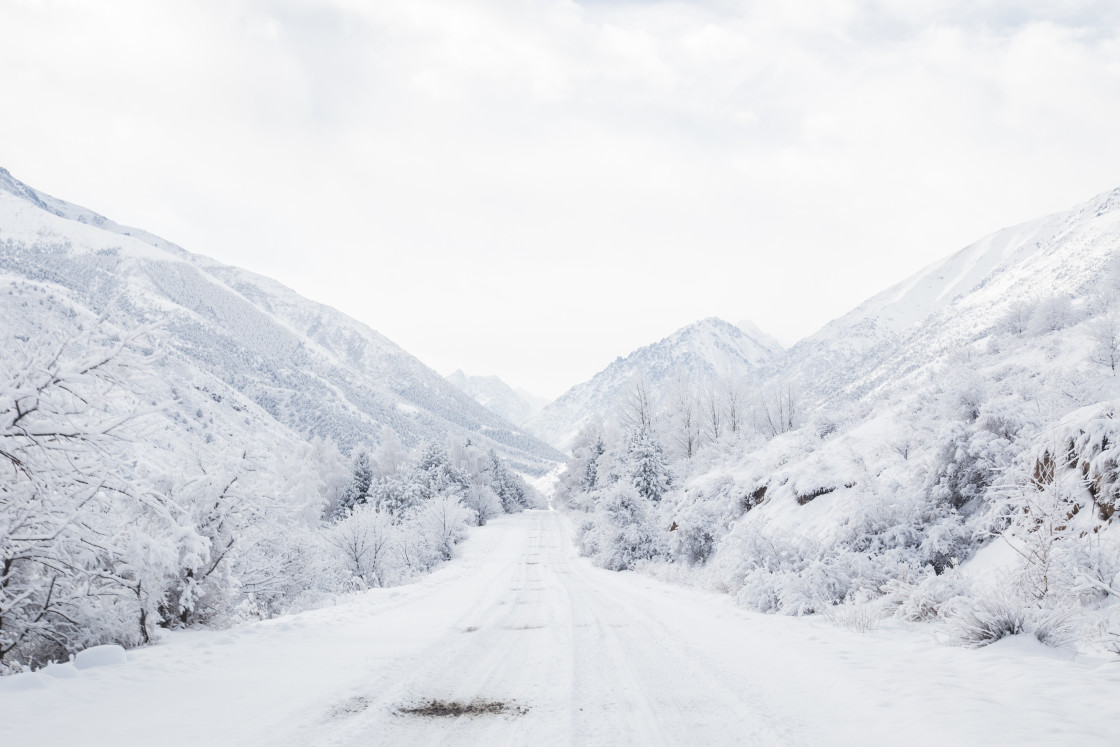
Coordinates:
699	353
513	405
947	451
753	331
958	300
309	367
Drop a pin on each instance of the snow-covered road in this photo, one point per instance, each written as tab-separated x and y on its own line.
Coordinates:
554	651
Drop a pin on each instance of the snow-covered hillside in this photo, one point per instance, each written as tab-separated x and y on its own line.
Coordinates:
695	355
946	451
516	406
958	300
168	453
310	367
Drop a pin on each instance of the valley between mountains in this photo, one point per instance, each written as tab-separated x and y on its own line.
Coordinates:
233	515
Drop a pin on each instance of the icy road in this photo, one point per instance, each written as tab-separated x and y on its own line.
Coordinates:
521	642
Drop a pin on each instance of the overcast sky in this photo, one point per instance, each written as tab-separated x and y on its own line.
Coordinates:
530	188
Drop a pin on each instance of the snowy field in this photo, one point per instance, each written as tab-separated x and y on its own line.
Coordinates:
519	641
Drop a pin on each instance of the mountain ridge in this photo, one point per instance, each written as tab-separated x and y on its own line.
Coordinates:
310	366
516	406
703	351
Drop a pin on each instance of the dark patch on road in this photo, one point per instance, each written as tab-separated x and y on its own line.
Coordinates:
470	629
455	709
349	707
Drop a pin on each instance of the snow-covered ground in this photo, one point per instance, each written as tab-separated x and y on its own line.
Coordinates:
555	651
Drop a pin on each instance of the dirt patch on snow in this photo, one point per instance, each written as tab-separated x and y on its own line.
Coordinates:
349	707
455	709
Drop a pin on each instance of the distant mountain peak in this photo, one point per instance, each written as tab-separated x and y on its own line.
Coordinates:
702	351
491	392
13	186
752	330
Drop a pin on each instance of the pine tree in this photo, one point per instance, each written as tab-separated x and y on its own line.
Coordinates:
591	472
434	473
357	492
648	469
509	488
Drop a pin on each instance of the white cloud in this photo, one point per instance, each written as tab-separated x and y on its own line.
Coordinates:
532	188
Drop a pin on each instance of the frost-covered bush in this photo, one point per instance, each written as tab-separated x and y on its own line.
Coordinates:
701	518
856	617
984	621
770	572
483	503
364	544
623	530
919	595
692	536
442	521
1051	314
970	456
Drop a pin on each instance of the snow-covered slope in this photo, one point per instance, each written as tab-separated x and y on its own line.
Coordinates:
945	452
698	353
957	300
752	330
514	405
310	367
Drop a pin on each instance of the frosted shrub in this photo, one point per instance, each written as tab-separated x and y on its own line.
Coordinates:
1017	319
970	456
922	595
1052	314
694	538
858	618
986	620
281	569
947	538
586	537
624	529
700	522
363	545
442	521
780	574
483	503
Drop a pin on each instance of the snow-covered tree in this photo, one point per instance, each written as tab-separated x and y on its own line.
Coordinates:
590	479
1104	333
357	491
647	468
69	407
623	530
684	418
443	522
509	488
390	454
779	409
364	543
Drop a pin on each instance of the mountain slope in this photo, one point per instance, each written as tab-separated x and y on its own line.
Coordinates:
947	453
497	396
310	367
958	300
698	353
